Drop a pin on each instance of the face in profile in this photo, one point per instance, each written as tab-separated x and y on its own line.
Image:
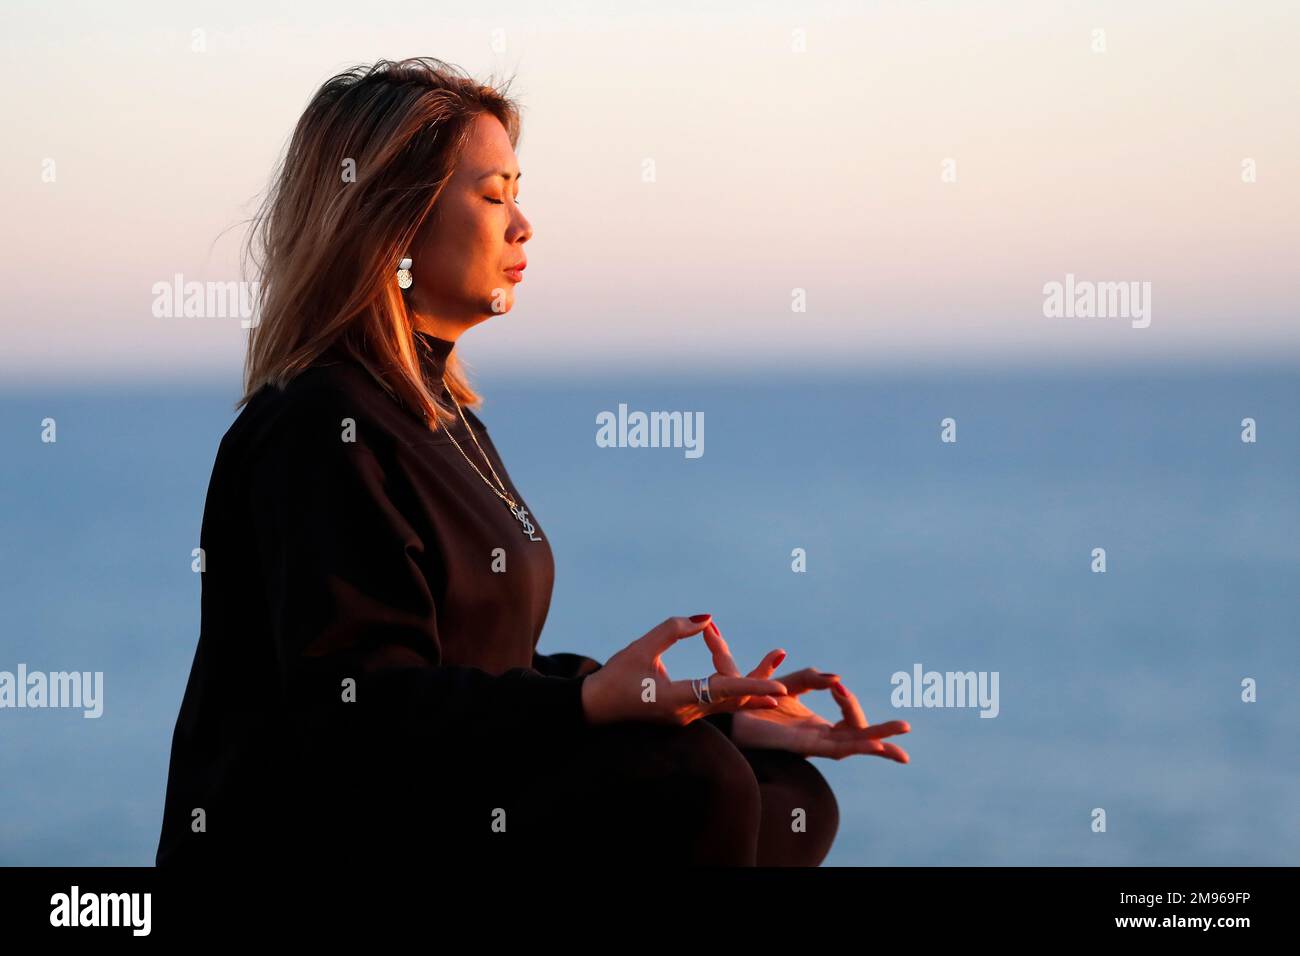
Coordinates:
464	257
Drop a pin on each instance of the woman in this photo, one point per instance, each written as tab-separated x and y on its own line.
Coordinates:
366	685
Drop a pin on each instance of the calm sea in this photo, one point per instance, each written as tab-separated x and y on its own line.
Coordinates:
1118	690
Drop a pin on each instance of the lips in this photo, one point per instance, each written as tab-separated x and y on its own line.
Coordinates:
517	272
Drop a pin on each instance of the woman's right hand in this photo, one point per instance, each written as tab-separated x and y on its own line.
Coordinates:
634	685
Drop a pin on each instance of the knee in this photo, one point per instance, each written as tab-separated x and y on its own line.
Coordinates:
800	813
720	771
817	797
706	796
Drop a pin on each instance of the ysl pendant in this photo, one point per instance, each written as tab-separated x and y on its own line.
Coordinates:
522	515
515	509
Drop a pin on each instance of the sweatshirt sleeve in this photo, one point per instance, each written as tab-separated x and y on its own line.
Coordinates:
576	665
349	599
565	664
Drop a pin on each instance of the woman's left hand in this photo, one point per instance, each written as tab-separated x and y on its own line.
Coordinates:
792	726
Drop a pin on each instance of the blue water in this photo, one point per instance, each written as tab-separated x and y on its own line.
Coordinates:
1118	690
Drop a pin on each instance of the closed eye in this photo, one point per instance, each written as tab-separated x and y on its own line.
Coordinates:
499	202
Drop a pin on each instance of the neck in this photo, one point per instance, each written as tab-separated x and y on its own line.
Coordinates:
442	328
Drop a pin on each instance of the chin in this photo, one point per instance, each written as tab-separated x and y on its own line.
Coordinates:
502	305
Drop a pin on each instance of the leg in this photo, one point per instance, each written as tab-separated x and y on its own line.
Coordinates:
642	793
800	814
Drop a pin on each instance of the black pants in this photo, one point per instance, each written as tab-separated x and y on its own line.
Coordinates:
629	795
638	793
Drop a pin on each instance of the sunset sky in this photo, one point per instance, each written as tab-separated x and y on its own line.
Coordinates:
776	168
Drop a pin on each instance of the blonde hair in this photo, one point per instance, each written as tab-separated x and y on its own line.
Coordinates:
327	248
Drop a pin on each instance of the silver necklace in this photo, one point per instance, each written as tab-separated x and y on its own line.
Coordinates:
519	512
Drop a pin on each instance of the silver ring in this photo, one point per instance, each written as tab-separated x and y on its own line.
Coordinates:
701	690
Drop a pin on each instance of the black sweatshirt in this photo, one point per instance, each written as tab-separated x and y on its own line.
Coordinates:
343	541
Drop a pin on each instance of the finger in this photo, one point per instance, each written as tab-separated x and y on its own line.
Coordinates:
839	746
888	729
849	706
869	748
898	753
723	662
873	748
724	689
664	635
768	665
763	671
757	703
889	751
808	679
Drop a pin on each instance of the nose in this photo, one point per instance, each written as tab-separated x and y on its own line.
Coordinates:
521	230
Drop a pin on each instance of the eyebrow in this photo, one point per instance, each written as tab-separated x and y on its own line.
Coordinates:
504	175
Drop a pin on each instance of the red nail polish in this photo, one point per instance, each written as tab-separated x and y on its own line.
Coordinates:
699	617
780	659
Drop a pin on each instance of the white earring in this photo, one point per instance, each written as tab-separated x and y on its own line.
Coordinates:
404	278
